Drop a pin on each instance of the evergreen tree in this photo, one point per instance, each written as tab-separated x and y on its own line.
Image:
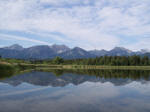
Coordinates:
145	60
58	60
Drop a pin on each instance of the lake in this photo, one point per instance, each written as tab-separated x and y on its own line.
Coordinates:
76	91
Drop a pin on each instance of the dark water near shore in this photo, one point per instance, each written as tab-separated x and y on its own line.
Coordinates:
76	91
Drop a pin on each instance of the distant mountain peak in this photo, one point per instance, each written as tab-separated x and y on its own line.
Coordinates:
145	50
98	52
15	47
76	53
122	49
60	48
77	48
39	46
56	45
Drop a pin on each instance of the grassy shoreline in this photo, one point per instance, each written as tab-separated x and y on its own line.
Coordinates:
24	66
94	67
7	70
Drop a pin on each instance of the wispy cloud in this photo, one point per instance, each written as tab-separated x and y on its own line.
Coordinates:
12	37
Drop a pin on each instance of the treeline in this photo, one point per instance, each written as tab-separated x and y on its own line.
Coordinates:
104	60
113	61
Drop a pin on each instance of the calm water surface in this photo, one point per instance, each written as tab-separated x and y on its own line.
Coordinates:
90	91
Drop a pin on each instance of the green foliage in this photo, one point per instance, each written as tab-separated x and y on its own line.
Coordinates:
112	60
6	70
12	61
104	60
107	60
58	60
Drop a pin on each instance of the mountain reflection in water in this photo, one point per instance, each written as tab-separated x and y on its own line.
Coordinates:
76	91
60	78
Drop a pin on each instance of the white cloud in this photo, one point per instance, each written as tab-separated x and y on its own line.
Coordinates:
12	37
89	24
142	43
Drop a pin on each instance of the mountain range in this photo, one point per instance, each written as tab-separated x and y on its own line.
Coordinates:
47	52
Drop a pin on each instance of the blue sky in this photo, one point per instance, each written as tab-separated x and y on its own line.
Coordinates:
89	24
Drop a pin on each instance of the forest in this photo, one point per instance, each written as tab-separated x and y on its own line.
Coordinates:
104	60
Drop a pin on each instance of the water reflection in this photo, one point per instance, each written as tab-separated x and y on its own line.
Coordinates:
60	78
76	91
